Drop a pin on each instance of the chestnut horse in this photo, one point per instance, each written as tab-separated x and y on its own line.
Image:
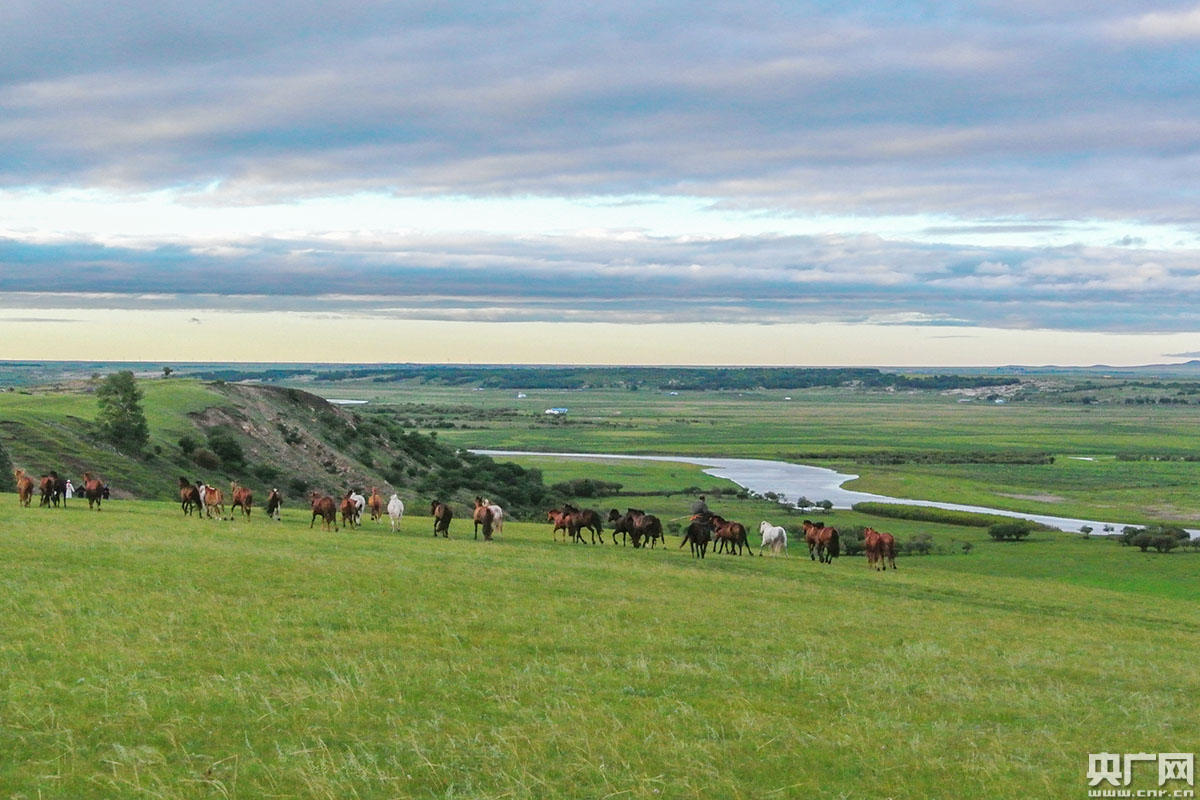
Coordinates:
242	498
93	489
349	509
323	507
375	503
561	520
880	549
442	514
729	534
189	497
824	544
274	502
24	487
211	497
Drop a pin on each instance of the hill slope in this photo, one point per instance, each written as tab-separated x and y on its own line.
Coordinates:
261	436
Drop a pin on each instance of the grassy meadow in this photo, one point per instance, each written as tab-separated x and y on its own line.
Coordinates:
149	655
842	429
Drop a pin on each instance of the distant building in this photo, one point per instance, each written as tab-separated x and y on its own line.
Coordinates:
557	412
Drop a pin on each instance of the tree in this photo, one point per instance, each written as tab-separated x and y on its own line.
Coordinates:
121	418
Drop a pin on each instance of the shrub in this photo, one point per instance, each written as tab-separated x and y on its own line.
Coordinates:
206	458
1009	531
587	487
187	444
227	448
298	487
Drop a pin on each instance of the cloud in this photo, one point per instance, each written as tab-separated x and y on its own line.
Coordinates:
1158	26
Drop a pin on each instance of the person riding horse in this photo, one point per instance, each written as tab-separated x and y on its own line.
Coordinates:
700	509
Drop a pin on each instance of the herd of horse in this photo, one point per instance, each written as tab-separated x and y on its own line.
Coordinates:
635	525
55	489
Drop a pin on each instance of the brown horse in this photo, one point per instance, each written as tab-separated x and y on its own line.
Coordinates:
442	514
375	503
189	497
211	497
481	515
581	519
24	487
561	520
880	549
323	507
824	544
93	489
274	502
349	510
46	488
731	535
242	498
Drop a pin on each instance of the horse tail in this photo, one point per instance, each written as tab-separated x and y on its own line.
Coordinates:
835	547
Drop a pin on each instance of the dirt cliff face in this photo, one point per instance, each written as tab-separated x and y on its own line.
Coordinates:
300	435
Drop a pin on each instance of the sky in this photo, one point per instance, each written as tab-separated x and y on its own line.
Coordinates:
817	183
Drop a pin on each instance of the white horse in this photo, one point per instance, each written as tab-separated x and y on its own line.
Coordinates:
774	537
360	505
395	509
497	516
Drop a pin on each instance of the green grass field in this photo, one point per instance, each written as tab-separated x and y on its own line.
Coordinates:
148	655
832	427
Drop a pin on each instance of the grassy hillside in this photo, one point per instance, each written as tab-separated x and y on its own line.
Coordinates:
146	654
260	436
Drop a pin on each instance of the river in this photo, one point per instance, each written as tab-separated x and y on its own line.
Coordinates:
793	481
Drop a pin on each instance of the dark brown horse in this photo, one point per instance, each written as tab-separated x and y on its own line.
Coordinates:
93	489
880	549
189	497
824	544
698	535
60	489
46	489
274	502
242	498
584	518
24	487
442	514
323	507
637	525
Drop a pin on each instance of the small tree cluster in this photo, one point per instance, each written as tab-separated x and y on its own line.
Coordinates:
120	417
1009	531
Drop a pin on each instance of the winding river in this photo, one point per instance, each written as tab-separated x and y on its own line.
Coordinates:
818	483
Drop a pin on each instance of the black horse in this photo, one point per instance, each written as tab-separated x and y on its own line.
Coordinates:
698	534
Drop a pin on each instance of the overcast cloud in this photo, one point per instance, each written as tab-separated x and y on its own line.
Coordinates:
1045	156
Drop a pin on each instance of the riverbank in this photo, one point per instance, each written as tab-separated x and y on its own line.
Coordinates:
792	481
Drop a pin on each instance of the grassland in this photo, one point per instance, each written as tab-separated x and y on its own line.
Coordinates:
847	429
149	655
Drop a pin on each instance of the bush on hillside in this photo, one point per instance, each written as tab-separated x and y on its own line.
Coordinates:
227	448
1009	531
206	458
